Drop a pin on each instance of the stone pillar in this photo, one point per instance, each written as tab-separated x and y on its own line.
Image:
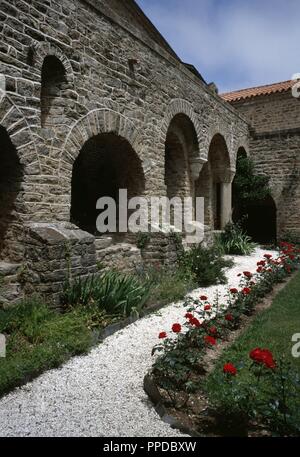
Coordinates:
196	165
226	197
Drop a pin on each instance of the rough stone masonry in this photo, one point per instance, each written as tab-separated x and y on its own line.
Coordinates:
93	99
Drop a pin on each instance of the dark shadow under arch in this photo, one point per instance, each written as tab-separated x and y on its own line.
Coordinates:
52	86
11	175
105	164
261	221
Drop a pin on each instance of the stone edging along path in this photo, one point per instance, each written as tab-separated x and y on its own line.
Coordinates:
101	393
152	389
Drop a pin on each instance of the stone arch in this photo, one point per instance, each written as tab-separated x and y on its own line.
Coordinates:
56	78
102	120
181	106
219	129
214	184
98	122
106	164
19	131
43	49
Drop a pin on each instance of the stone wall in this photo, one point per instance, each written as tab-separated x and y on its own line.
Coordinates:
55	253
119	76
275	149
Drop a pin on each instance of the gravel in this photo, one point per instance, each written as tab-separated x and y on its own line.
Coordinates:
101	394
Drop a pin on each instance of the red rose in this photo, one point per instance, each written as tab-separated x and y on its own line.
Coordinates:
246	291
234	291
268	256
247	274
263	356
207	307
229	368
259	270
213	330
189	316
203	297
210	340
176	328
162	335
262	263
229	317
194	321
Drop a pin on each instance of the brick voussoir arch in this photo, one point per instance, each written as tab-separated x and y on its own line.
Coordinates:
181	106
17	127
97	122
44	49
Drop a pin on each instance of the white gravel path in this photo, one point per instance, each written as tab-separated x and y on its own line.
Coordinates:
101	394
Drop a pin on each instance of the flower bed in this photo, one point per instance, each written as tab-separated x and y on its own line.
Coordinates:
179	371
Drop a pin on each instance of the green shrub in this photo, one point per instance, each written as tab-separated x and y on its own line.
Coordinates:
111	291
235	241
206	265
169	285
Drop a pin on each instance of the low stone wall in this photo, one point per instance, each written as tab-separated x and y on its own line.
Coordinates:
53	253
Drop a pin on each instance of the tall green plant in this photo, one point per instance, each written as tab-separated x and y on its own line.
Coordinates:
235	241
248	186
111	291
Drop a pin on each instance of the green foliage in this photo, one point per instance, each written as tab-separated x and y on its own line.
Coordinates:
38	339
274	398
142	240
206	265
111	291
169	285
235	241
247	186
291	237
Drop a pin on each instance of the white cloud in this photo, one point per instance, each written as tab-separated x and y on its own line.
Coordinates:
236	43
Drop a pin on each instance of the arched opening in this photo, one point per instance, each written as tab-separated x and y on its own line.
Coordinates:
215	186
261	220
254	207
180	147
53	85
105	164
11	174
237	213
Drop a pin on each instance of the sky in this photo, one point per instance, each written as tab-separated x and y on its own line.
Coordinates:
234	43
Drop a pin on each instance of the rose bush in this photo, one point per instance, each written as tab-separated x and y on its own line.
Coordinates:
206	324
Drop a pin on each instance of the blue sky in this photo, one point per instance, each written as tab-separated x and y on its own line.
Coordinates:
235	43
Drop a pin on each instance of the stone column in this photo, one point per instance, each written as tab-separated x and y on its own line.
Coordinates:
196	165
226	197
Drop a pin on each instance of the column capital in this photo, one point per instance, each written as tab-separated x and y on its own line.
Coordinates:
229	174
196	165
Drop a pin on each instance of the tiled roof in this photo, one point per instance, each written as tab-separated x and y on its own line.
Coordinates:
256	91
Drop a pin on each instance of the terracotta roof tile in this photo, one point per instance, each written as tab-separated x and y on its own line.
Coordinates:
256	91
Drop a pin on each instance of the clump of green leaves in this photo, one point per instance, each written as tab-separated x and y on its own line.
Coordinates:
111	291
248	186
206	264
233	240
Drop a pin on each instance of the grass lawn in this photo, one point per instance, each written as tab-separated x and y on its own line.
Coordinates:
38	338
272	329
